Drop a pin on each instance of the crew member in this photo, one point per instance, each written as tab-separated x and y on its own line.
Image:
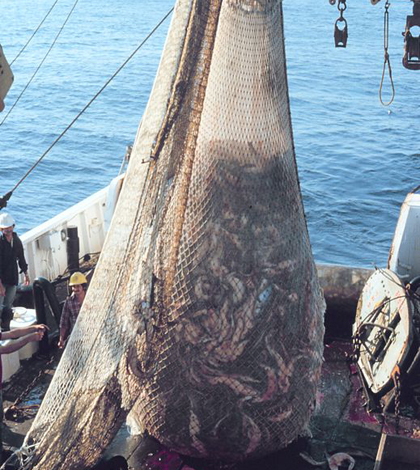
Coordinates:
72	306
11	254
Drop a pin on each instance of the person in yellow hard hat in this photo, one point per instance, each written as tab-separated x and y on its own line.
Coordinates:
72	306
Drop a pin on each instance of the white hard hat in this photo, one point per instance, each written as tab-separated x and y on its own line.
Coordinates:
6	220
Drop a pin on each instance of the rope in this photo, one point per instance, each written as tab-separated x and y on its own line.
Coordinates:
42	61
386	57
22	457
33	34
92	100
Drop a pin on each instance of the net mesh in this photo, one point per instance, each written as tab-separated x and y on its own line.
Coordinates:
204	316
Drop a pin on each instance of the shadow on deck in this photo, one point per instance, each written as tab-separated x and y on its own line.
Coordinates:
340	423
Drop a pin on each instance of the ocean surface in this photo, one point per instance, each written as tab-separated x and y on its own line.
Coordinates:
357	159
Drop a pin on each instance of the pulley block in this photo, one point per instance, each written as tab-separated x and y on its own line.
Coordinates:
340	32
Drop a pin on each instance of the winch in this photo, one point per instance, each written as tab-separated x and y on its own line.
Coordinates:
386	340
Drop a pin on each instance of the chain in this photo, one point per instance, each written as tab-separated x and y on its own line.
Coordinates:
342	7
396	377
386	57
357	344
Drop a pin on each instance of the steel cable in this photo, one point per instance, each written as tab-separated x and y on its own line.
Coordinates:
33	34
42	61
91	101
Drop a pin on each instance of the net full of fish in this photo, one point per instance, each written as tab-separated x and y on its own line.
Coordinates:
204	316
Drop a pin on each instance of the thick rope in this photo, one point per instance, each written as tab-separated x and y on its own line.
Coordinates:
386	57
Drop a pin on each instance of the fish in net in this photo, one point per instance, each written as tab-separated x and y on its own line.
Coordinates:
204	317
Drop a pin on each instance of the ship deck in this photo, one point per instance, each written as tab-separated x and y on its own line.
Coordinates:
340	424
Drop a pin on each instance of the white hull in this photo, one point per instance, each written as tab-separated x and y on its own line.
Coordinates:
46	245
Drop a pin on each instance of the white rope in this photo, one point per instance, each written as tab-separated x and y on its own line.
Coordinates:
24	456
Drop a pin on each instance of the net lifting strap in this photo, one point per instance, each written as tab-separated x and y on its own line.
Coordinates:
204	317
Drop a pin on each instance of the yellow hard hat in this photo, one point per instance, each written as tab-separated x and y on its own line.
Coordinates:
77	278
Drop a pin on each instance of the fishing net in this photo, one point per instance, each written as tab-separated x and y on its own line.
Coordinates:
204	315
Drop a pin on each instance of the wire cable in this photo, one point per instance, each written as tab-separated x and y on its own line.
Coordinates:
93	99
33	34
42	61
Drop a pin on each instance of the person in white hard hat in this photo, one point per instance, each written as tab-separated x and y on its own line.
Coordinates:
11	255
72	306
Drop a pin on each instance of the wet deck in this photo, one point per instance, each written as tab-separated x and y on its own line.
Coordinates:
23	394
340	423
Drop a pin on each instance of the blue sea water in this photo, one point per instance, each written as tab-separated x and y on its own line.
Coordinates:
356	158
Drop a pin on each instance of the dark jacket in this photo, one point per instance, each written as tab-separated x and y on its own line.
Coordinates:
9	256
